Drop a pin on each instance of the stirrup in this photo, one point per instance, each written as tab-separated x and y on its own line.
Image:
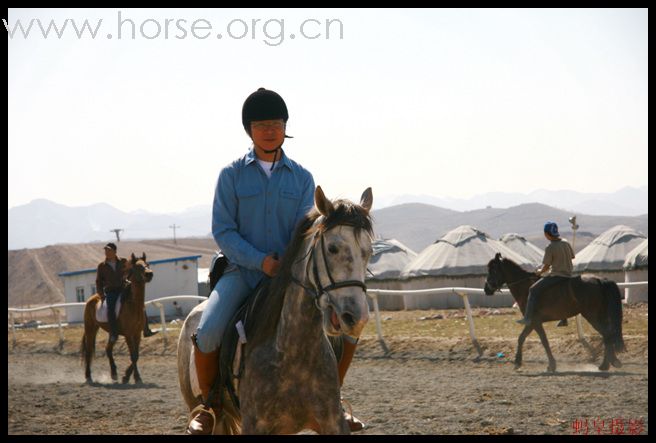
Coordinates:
199	408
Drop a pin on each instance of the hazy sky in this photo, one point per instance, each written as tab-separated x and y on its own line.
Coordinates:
449	103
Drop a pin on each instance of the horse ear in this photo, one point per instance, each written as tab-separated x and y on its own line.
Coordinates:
134	259
143	256
367	200
324	205
497	256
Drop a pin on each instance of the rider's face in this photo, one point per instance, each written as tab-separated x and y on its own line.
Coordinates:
268	134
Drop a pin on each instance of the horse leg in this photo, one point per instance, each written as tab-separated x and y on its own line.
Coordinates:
134	356
128	371
543	338
604	331
89	348
520	342
112	366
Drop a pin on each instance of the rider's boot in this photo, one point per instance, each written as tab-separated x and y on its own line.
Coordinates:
342	366
528	313
207	369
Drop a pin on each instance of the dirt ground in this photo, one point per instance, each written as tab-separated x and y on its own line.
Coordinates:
425	385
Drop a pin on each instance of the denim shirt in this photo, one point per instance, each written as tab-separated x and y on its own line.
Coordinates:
254	216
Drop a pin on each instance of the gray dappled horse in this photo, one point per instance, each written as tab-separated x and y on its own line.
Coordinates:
598	300
290	380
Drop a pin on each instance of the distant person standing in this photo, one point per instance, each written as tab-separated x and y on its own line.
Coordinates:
110	281
557	260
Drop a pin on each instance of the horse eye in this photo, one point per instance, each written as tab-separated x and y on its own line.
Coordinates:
332	249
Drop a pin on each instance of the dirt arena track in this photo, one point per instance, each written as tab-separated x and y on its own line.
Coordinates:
425	385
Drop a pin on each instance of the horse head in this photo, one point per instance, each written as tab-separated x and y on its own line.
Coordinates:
139	270
495	276
340	253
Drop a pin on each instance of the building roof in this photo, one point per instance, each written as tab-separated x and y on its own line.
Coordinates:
523	247
153	262
464	251
637	258
608	251
388	259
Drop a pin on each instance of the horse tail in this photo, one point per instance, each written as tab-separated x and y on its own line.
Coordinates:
614	299
87	350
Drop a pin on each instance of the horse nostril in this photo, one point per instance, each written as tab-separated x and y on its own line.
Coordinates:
348	319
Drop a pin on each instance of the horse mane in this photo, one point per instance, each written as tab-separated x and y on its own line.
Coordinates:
265	319
517	268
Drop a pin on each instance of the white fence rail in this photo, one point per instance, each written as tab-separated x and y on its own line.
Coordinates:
372	293
462	292
157	302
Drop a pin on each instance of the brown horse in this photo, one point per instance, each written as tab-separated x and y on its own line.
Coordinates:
598	300
130	320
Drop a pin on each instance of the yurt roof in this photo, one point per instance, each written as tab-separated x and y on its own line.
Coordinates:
523	247
638	257
608	251
389	258
464	251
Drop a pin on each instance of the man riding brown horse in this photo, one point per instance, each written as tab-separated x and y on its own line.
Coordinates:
558	261
110	281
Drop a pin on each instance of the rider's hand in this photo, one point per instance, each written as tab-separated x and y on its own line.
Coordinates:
270	265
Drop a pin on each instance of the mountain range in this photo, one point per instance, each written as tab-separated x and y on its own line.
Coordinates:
43	222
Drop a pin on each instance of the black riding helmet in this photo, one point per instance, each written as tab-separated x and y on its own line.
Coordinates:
263	104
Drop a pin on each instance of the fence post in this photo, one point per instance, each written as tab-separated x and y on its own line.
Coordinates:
162	318
61	330
379	329
472	334
13	329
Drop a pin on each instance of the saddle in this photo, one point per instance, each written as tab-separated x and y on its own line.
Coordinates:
101	308
231	361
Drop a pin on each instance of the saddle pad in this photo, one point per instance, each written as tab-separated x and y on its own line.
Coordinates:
101	310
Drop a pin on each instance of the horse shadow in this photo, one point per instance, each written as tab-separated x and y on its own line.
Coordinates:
123	386
591	374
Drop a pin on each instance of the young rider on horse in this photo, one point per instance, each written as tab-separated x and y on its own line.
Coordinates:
258	201
557	256
110	280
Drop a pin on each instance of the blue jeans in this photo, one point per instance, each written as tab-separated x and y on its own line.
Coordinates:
228	295
111	297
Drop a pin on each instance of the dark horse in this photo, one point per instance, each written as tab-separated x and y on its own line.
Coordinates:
598	300
290	380
130	321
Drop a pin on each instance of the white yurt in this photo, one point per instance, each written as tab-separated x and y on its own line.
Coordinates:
459	259
636	269
605	255
388	259
523	247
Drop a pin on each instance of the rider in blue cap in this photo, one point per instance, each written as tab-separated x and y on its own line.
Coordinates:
557	261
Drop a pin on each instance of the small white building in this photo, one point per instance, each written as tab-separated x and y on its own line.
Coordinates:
171	276
636	268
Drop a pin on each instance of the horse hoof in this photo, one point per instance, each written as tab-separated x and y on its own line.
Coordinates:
114	377
551	369
89	380
518	365
616	363
125	380
138	381
604	367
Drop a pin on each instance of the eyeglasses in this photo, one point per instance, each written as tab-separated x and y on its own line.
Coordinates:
260	126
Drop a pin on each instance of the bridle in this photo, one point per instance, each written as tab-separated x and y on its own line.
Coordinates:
319	289
514	282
